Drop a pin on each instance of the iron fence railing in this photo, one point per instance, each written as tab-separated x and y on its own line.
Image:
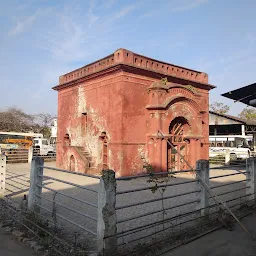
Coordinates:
64	199
66	205
23	155
167	214
231	184
228	158
16	155
128	215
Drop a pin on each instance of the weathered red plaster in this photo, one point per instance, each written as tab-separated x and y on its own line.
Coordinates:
111	110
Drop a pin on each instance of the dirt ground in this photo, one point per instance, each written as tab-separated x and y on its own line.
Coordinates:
222	242
11	247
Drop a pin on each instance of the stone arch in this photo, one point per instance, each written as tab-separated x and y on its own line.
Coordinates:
182	109
187	88
172	100
72	163
179	121
67	139
178	147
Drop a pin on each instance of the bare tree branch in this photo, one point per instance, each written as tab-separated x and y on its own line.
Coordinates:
219	107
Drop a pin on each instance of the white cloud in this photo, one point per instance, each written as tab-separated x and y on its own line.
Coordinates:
65	41
123	12
174	6
22	25
92	18
184	5
75	37
63	37
109	3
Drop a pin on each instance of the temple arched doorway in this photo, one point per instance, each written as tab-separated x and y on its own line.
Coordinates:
72	164
178	130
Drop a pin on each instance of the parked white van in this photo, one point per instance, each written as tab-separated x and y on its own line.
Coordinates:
42	147
237	145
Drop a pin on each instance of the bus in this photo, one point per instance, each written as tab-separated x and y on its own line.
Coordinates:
237	145
14	140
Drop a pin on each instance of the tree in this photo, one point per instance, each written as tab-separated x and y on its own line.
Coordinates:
45	120
219	107
14	119
248	114
46	131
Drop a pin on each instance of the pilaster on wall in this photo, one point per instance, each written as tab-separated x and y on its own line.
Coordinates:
157	152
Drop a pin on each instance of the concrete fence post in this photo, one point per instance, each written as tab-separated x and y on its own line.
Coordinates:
2	174
30	154
227	157
202	170
251	178
36	181
106	225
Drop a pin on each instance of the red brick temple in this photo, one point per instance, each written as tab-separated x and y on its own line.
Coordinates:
110	112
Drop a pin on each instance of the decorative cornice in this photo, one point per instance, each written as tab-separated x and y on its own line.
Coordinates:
165	104
129	69
163	84
88	77
128	58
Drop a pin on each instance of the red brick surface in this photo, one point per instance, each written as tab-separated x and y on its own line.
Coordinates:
122	96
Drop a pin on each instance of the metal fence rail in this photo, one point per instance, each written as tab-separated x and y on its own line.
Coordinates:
23	155
150	188
62	198
16	185
70	172
158	215
226	157
166	202
16	155
156	200
68	201
234	188
130	215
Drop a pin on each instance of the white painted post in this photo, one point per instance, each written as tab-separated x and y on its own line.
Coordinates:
243	129
227	157
107	226
251	177
2	174
30	154
202	170
254	141
36	181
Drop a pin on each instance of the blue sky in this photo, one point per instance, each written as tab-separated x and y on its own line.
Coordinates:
42	39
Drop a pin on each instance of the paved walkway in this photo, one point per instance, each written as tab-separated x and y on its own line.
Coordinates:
11	247
222	242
